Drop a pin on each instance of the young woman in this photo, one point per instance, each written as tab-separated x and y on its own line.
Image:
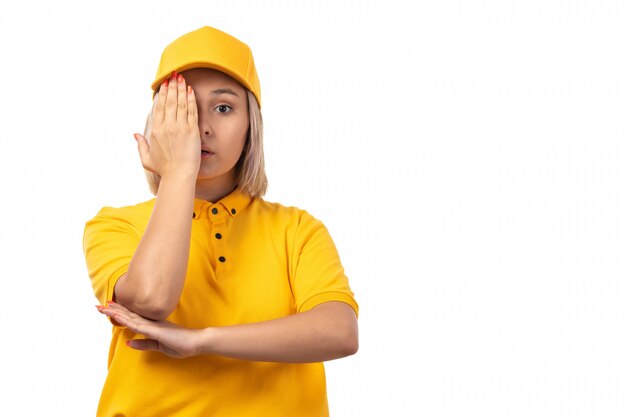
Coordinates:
222	304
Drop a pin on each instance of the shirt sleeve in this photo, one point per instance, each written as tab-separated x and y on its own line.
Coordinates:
109	242
319	276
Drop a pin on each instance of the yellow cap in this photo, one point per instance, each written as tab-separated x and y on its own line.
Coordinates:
208	47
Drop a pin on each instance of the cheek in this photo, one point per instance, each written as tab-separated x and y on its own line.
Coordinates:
232	132
240	132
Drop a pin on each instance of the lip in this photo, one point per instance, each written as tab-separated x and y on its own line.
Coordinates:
204	155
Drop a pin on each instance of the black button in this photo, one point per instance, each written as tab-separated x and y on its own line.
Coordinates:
233	211
218	235
214	211
222	259
194	215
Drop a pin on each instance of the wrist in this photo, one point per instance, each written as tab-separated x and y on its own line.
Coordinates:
206	341
180	175
179	183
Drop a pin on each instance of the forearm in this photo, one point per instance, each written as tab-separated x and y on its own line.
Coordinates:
156	274
328	331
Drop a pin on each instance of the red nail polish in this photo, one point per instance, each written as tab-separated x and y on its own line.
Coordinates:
166	82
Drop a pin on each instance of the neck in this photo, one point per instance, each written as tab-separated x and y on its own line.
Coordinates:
214	189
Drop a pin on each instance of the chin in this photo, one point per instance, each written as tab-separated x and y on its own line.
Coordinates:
206	173
210	171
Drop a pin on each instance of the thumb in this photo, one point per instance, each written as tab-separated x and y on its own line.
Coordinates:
153	344
144	150
143	344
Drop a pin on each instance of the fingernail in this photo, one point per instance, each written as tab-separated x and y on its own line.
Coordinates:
128	343
179	78
99	307
135	136
174	74
189	89
166	82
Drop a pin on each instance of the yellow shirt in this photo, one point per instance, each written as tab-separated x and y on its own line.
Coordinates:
250	261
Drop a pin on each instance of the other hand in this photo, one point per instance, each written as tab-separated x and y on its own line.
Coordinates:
162	336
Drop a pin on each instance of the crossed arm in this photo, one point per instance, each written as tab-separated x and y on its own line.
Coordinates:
151	289
327	331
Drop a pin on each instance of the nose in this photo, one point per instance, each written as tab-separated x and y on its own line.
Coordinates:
204	125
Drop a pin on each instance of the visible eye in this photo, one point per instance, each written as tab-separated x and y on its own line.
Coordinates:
223	108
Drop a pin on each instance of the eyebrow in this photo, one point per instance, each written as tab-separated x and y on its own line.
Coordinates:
224	91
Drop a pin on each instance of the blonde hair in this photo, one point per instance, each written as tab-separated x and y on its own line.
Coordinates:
250	168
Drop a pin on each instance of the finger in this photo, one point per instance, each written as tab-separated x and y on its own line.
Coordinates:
120	316
159	113
119	308
102	310
141	326
182	98
115	317
192	107
126	321
171	102
133	321
144	150
143	344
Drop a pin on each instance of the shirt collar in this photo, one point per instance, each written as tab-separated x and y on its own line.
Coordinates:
233	204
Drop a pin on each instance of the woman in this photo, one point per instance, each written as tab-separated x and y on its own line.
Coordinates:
221	303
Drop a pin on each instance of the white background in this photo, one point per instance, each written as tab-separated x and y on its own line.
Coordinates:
466	156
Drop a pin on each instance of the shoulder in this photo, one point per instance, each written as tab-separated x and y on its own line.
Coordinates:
282	212
137	214
294	223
